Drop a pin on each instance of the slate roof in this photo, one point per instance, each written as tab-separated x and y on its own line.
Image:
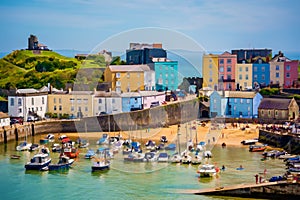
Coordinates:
240	94
272	103
128	68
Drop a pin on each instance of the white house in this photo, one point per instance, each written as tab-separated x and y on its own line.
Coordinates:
107	102
152	98
4	119
149	77
27	102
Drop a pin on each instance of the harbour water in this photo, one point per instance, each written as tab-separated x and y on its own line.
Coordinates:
126	180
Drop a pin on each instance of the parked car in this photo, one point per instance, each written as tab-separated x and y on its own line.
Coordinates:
14	121
276	178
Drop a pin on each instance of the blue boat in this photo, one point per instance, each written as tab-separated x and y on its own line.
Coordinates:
38	162
64	163
171	146
104	139
90	153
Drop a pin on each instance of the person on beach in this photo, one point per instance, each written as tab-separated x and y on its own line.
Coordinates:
223	168
256	178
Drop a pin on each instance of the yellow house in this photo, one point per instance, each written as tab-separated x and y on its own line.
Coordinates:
210	71
243	76
76	104
125	78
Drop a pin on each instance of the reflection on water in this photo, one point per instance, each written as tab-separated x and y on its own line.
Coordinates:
126	180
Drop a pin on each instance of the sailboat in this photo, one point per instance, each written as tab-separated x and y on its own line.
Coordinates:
101	162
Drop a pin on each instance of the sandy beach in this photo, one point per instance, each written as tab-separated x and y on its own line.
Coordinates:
229	135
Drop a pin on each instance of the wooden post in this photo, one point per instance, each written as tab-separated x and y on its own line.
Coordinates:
5	136
32	129
16	134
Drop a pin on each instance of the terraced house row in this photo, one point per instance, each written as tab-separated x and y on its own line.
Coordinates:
247	69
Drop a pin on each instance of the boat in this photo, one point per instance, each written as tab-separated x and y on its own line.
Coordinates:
171	147
207	154
257	148
15	156
101	163
44	140
185	157
90	154
163	139
104	139
83	144
206	170
150	157
50	137
175	158
150	145
135	157
38	162
196	159
249	142
56	147
23	146
64	139
64	163
163	157
71	152
34	147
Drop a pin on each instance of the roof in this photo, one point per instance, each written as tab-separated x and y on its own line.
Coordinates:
274	103
240	94
3	115
126	68
151	93
26	91
131	94
106	94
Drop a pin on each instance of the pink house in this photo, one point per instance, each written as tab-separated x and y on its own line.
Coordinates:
226	76
290	73
152	98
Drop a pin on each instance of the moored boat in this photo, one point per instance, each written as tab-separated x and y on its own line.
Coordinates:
90	154
23	146
257	148
249	142
206	170
38	162
64	163
101	163
163	157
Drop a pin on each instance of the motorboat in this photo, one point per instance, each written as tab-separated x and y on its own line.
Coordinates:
186	158
150	157
64	163
176	158
163	139
56	147
34	147
196	159
38	162
83	143
90	154
104	139
207	154
163	157
135	157
23	146
257	148
249	142
150	145
101	163
206	170
50	137
171	147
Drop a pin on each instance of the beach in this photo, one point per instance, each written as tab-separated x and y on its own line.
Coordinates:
229	135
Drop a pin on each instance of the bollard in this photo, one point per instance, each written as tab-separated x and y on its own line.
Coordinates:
32	129
16	134
5	137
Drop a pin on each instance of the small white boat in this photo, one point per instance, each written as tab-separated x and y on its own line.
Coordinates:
38	162
150	157
163	157
249	142
23	146
207	170
176	158
196	160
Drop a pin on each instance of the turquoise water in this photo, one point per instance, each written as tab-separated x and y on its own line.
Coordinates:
126	180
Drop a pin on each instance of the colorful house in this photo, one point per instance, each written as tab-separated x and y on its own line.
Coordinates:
234	104
125	78
131	101
166	74
152	98
243	76
261	73
281	109
4	119
210	71
107	103
226	71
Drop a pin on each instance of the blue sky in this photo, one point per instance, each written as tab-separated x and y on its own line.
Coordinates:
216	25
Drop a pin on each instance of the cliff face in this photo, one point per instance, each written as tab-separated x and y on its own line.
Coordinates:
161	116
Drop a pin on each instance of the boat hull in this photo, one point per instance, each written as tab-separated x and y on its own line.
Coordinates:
37	166
100	168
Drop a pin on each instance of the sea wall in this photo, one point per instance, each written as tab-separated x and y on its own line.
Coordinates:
161	116
288	141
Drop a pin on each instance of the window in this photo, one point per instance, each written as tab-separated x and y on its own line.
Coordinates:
19	102
32	101
277	67
249	108
228	61
255	69
166	81
228	68
85	101
54	100
60	107
86	109
43	100
288	67
221	69
276	113
288	75
12	102
248	101
234	107
118	75
255	77
240	69
240	77
166	75
72	108
99	101
260	61
221	61
138	75
128	75
277	74
246	69
118	83
54	108
78	100
262	77
210	80
242	100
247	77
41	108
210	73
59	100
235	100
71	100
20	110
228	77
210	66
113	101
99	108
263	69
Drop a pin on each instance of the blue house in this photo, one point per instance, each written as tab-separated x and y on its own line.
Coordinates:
234	104
260	73
166	74
131	101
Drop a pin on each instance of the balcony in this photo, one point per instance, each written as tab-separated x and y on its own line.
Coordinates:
226	80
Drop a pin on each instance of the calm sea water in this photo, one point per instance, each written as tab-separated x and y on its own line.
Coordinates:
125	180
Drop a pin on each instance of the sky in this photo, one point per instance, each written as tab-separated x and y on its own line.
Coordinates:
212	25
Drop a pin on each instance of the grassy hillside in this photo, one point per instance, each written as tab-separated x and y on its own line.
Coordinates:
25	69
